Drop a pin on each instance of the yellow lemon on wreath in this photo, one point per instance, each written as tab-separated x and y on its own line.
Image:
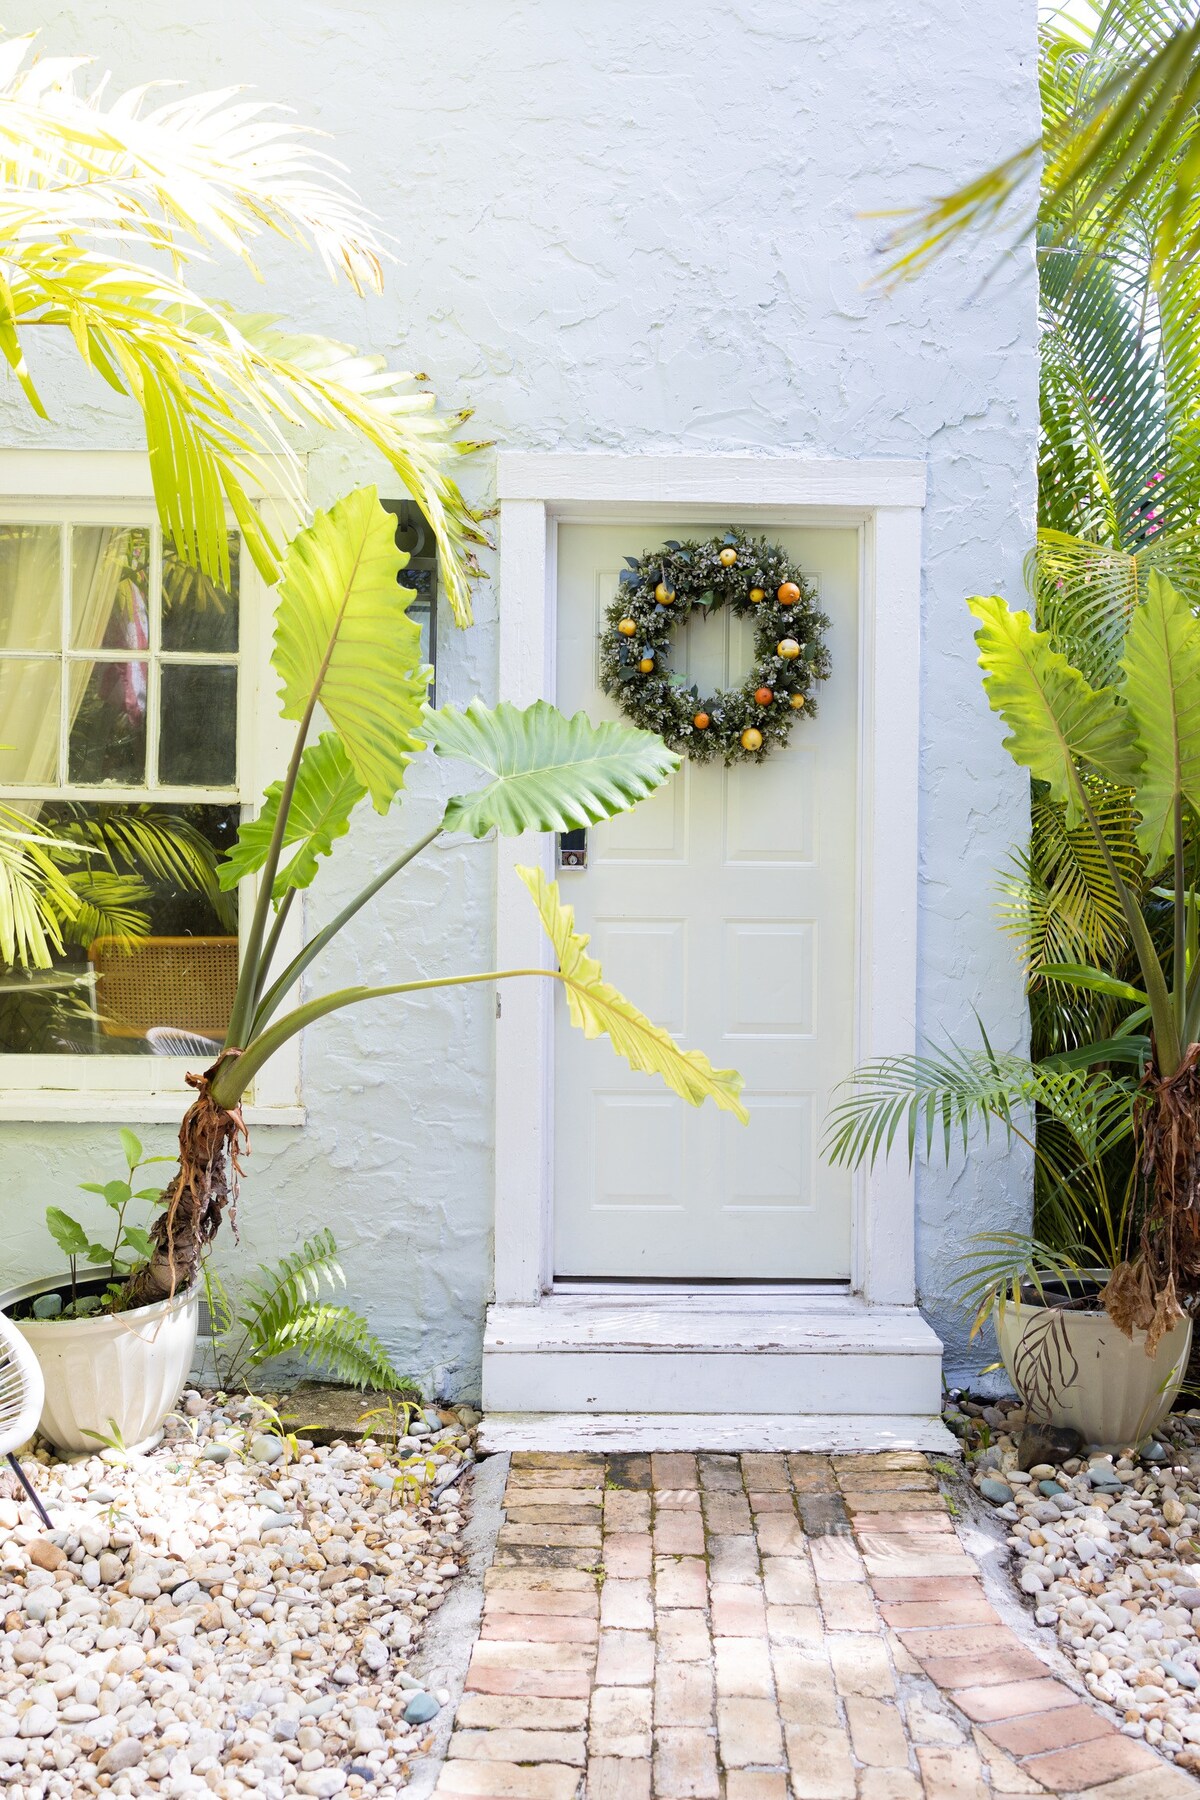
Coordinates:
757	596
751	739
663	594
796	702
788	648
646	664
728	557
627	627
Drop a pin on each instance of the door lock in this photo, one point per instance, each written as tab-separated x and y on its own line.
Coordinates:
572	849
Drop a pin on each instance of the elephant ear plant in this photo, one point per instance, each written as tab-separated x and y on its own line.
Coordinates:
1140	734
1135	739
345	648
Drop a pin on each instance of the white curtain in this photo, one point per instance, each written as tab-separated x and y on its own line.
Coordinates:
30	612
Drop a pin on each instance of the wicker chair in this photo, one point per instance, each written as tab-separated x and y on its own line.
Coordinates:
185	984
22	1392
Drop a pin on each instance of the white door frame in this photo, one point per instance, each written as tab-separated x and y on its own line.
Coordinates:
883	499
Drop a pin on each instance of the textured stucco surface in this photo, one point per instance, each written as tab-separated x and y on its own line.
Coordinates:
620	227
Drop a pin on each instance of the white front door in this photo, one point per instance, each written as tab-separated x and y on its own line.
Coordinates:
725	908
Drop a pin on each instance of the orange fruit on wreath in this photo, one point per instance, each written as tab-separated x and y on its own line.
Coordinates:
701	721
646	664
751	739
789	593
627	627
764	695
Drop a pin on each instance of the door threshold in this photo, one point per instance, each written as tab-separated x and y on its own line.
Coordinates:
630	1286
613	1433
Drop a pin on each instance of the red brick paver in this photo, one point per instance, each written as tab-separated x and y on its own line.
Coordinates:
762	1627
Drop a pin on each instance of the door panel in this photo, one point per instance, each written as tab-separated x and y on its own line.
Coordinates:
724	907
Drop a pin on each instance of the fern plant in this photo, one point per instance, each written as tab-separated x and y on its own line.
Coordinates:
282	1314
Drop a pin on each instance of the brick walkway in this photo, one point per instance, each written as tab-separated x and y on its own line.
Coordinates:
760	1627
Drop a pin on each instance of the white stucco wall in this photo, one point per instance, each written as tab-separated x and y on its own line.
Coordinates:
620	227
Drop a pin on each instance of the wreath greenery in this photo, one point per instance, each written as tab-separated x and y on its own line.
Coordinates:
657	593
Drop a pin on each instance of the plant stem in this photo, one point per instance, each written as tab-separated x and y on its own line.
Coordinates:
272	943
269	1003
1180	982
235	1075
248	977
1167	1050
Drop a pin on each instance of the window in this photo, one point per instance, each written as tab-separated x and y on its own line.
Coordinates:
129	742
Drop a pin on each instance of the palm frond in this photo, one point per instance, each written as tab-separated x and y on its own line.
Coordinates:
333	1340
1117	141
155	846
36	898
1058	897
282	1314
180	172
295	1282
947	1092
94	193
999	1263
111	906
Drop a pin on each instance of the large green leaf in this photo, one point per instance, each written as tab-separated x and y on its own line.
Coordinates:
1096	981
326	793
550	773
596	1007
1059	727
1162	688
342	634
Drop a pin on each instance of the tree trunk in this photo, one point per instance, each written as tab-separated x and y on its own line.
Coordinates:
1148	1291
211	1138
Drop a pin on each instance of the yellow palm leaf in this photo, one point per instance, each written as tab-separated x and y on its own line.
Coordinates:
599	1010
104	202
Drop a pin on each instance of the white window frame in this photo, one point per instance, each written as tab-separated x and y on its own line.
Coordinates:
114	488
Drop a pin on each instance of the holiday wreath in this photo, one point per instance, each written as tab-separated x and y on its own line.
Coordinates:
659	590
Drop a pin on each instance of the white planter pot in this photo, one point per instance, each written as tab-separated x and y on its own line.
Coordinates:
1091	1377
124	1367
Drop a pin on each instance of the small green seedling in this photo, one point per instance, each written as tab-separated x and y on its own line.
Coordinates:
112	1440
129	1245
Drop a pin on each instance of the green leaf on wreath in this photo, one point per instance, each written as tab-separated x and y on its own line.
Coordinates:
630	576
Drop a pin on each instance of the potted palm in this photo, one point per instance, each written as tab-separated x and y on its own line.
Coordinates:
1099	704
1105	1351
347	652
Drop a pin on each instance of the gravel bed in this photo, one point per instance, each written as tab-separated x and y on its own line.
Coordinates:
221	1616
1107	1550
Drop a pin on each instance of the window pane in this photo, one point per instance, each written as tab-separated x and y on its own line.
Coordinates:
198	739
29	693
196	613
108	722
30	588
110	575
149	963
